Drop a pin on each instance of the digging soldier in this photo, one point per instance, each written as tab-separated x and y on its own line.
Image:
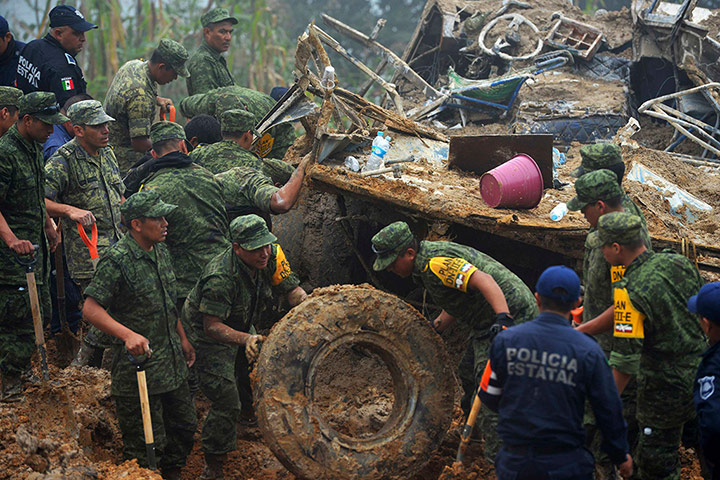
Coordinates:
9	102
83	185
132	298
598	193
650	316
238	127
23	224
469	286
132	100
230	296
208	68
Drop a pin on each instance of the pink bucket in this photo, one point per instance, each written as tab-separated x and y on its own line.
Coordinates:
516	183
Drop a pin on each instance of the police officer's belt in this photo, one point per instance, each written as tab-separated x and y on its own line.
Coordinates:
536	450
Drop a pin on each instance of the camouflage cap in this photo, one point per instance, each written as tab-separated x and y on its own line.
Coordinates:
161	131
10	96
217	15
389	243
43	106
174	54
597	156
227	101
251	232
616	227
88	112
237	120
591	187
146	203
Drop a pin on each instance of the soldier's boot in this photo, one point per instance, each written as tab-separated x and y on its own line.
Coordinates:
214	467
171	473
12	390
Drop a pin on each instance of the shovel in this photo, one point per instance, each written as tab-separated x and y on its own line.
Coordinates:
35	307
170	116
467	429
145	408
66	340
90	243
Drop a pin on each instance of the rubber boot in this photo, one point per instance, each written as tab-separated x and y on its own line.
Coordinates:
214	465
172	473
12	391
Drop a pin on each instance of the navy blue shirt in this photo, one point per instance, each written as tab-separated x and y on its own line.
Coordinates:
9	62
45	65
542	373
57	139
706	393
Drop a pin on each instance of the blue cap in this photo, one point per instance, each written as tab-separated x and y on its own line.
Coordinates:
4	27
277	92
63	15
559	277
707	302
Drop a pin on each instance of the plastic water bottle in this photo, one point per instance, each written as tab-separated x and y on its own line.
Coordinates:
380	146
558	212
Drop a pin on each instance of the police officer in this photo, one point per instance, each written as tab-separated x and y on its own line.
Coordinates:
208	68
9	101
650	316
48	64
469	286
132	298
9	54
707	381
540	375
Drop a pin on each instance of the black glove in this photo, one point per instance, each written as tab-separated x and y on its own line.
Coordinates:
502	321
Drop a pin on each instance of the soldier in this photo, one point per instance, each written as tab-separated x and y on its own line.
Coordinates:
599	193
208	68
238	127
541	374
706	397
274	143
199	228
469	286
82	184
23	222
49	64
9	101
650	304
132	100
230	296
9	54
132	298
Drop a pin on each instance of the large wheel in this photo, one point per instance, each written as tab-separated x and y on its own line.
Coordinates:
311	341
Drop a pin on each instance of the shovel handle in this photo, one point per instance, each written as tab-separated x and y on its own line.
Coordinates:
32	260
171	115
147	419
90	243
37	322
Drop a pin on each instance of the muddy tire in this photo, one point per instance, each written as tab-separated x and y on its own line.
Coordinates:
285	377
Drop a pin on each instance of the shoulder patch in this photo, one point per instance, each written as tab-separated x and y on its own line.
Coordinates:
452	271
282	267
70	59
707	386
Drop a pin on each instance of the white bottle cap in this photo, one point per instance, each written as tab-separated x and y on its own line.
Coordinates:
647	430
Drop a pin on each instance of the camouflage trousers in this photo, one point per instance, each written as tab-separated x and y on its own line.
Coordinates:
657	453
220	426
173	423
17	337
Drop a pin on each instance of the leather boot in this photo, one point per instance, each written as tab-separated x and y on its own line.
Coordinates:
12	389
214	465
172	473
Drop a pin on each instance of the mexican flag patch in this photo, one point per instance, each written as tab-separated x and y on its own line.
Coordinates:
67	83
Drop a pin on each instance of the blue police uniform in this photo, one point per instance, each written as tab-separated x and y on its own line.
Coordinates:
45	65
542	373
9	62
706	394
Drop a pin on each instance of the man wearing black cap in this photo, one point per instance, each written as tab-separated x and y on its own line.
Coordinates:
9	54
48	64
541	374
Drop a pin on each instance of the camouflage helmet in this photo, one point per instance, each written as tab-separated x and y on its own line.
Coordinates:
597	156
389	243
88	112
616	227
43	106
10	96
251	232
591	187
161	131
175	55
146	203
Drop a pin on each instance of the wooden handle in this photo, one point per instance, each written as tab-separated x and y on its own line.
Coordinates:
35	307
145	407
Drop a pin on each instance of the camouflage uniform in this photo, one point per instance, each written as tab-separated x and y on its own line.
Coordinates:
657	286
208	68
138	289
22	204
444	269
132	100
73	177
227	290
217	101
246	191
198	230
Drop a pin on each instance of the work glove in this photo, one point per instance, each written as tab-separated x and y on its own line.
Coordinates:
502	321
252	347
